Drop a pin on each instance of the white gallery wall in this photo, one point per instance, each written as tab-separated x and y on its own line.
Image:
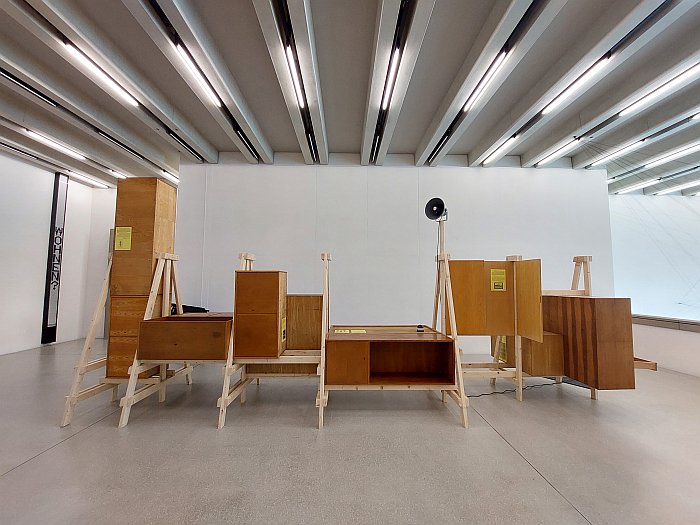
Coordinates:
656	247
371	219
25	212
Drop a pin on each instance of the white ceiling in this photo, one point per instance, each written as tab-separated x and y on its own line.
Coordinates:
346	50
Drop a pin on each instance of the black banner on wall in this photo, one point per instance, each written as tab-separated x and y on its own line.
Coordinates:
55	256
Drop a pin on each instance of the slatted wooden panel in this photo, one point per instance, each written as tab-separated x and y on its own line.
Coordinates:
597	336
528	297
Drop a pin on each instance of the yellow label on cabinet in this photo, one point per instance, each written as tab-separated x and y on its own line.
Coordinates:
498	280
284	329
358	331
122	238
342	331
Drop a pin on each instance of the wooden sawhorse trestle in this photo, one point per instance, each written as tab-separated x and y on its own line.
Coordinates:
166	272
290	357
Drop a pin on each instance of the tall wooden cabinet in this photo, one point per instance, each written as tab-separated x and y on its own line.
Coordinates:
260	314
147	206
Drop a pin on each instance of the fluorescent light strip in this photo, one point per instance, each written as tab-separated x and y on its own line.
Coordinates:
501	150
122	146
676	154
21	152
696	117
28	88
661	90
118	174
678	187
559	153
87	180
185	145
169	176
55	145
619	153
486	80
391	78
295	77
104	77
638	186
578	84
438	148
195	72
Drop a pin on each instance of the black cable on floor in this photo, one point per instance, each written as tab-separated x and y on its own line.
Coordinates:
565	380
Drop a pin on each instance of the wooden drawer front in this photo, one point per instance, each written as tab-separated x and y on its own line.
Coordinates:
347	362
126	313
304	317
260	292
257	335
191	339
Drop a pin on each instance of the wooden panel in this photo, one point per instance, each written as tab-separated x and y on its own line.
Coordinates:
546	358
120	353
257	335
304	317
260	292
126	314
528	297
615	353
500	306
286	368
597	336
411	362
193	338
469	296
539	359
347	363
147	205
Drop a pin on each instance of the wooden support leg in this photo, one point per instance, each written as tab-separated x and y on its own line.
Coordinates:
163	377
257	381
594	394
129	395
559	379
496	353
115	393
444	396
188	375
245	387
224	395
518	368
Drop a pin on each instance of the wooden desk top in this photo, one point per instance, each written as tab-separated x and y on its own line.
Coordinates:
385	333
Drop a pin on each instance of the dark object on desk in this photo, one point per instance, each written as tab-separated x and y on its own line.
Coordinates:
420	328
187	309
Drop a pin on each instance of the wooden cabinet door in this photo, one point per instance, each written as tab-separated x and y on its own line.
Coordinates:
347	362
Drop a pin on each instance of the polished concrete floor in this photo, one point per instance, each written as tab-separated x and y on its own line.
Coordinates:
383	457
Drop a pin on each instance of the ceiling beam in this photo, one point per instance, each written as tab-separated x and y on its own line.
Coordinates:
193	32
302	26
21	115
14	135
500	24
65	16
618	20
385	27
80	112
602	114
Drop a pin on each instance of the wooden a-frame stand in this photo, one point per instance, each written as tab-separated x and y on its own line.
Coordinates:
444	305
166	272
230	393
165	264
